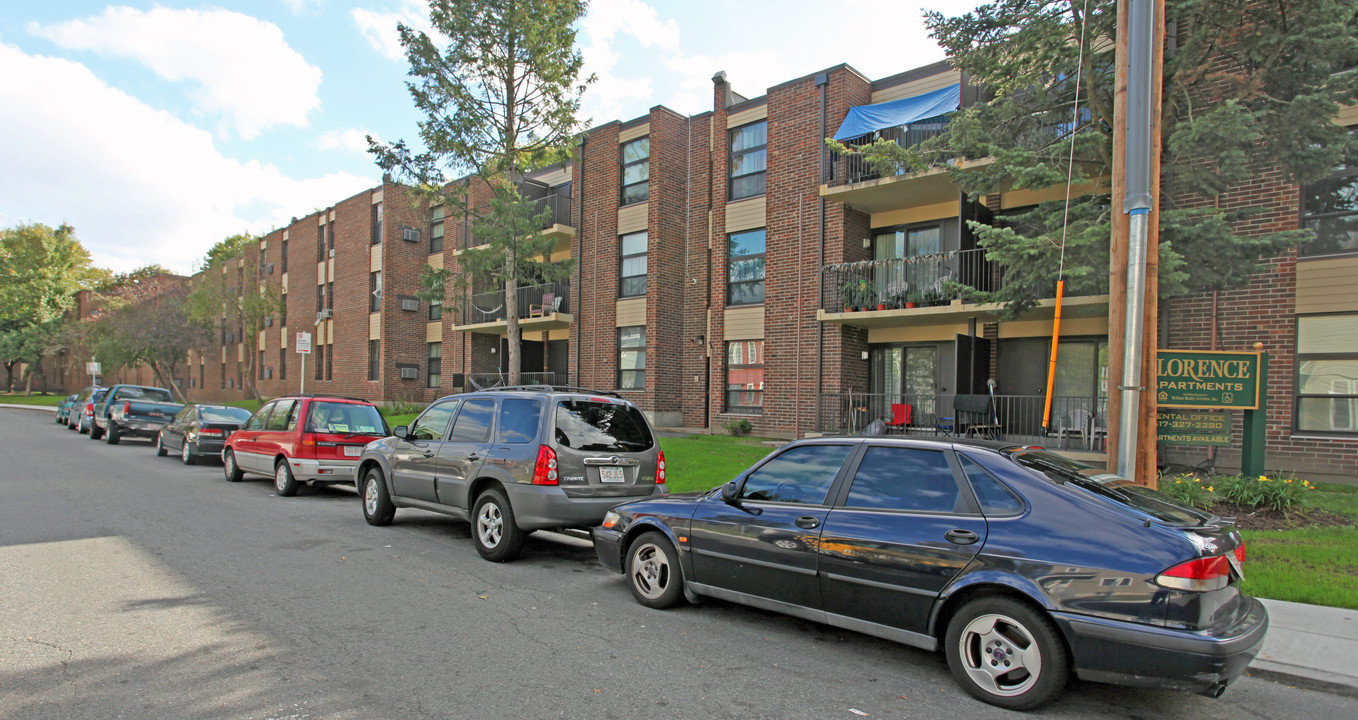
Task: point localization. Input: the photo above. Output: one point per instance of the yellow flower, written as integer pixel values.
(1209, 488)
(1288, 481)
(1263, 478)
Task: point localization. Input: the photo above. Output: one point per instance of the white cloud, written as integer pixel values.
(379, 27)
(243, 67)
(350, 139)
(300, 6)
(139, 185)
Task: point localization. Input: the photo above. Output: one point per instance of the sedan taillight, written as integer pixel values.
(1201, 575)
(544, 473)
(210, 432)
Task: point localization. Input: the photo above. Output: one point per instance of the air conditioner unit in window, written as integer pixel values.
(332, 252)
(325, 314)
(268, 269)
(410, 304)
(409, 373)
(268, 322)
(268, 373)
(410, 234)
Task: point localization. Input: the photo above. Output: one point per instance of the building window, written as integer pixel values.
(377, 223)
(330, 296)
(1327, 374)
(320, 297)
(632, 358)
(435, 310)
(283, 310)
(435, 372)
(283, 259)
(223, 376)
(260, 369)
(240, 374)
(373, 366)
(749, 152)
(282, 363)
(375, 292)
(329, 362)
(320, 365)
(200, 374)
(436, 229)
(745, 268)
(636, 171)
(320, 243)
(745, 376)
(1329, 208)
(632, 268)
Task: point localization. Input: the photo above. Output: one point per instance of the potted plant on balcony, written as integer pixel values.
(898, 292)
(851, 293)
(880, 293)
(912, 299)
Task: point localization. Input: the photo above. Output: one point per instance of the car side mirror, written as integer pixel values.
(730, 493)
(400, 431)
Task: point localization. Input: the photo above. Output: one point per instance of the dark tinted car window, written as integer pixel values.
(98, 395)
(148, 394)
(799, 475)
(996, 499)
(601, 426)
(1113, 488)
(346, 418)
(897, 478)
(433, 424)
(473, 422)
(224, 414)
(519, 418)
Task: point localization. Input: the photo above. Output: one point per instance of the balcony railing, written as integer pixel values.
(923, 281)
(533, 300)
(560, 206)
(850, 169)
(1076, 421)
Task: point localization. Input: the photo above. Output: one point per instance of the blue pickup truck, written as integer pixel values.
(135, 410)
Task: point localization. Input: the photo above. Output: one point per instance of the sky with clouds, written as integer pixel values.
(158, 128)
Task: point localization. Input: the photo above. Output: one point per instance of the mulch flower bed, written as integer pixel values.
(1249, 518)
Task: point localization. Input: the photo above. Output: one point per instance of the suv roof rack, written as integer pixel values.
(550, 388)
(322, 395)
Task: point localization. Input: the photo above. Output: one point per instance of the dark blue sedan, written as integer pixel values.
(1021, 565)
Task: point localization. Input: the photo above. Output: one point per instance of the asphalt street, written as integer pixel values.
(133, 586)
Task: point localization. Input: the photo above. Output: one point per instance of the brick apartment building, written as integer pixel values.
(727, 266)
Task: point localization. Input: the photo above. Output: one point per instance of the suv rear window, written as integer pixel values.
(331, 417)
(149, 394)
(601, 426)
(1114, 488)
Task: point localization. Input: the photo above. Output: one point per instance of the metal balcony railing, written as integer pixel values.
(560, 206)
(850, 169)
(1076, 421)
(532, 301)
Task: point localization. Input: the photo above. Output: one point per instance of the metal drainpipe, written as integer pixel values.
(823, 80)
(579, 185)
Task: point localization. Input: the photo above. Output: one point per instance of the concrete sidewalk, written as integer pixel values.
(1310, 646)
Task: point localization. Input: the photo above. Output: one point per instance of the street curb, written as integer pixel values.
(1304, 682)
(44, 408)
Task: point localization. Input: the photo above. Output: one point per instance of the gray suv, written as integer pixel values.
(513, 460)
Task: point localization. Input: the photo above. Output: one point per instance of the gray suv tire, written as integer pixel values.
(496, 536)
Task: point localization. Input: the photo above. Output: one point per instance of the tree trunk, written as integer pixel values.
(512, 316)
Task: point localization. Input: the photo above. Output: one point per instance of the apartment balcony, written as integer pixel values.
(557, 225)
(541, 308)
(925, 290)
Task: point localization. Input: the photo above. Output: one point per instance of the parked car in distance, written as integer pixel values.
(1021, 565)
(81, 417)
(200, 430)
(512, 460)
(64, 408)
(313, 439)
(137, 410)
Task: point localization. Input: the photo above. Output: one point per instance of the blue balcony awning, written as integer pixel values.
(864, 119)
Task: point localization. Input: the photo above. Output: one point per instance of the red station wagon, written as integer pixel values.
(303, 439)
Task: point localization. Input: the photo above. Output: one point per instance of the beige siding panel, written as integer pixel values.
(329, 332)
(916, 333)
(283, 337)
(917, 87)
(435, 261)
(319, 335)
(375, 258)
(746, 214)
(285, 234)
(1348, 115)
(260, 343)
(433, 332)
(283, 283)
(554, 177)
(1327, 285)
(1070, 327)
(631, 312)
(320, 219)
(633, 218)
(320, 273)
(377, 196)
(632, 133)
(745, 117)
(332, 216)
(1023, 198)
(263, 244)
(223, 354)
(746, 323)
(922, 213)
(559, 335)
(375, 326)
(240, 353)
(330, 274)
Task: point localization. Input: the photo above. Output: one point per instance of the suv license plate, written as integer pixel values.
(352, 450)
(611, 475)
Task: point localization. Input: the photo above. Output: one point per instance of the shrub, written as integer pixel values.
(738, 427)
(1187, 489)
(1263, 492)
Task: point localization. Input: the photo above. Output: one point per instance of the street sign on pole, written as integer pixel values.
(304, 342)
(93, 368)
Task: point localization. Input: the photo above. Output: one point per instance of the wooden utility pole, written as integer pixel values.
(1117, 245)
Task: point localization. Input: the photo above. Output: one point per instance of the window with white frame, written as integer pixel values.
(632, 358)
(1327, 374)
(632, 248)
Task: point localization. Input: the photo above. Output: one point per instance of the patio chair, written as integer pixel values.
(1075, 421)
(550, 304)
(901, 415)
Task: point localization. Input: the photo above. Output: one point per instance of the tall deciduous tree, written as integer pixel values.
(499, 90)
(153, 328)
(1248, 86)
(229, 294)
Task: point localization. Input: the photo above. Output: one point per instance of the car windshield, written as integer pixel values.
(601, 426)
(224, 414)
(346, 418)
(1114, 488)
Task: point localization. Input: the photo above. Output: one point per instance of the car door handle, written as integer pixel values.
(807, 522)
(961, 537)
(473, 455)
(429, 453)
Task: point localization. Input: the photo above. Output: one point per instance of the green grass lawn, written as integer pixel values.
(21, 399)
(1316, 565)
(702, 462)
